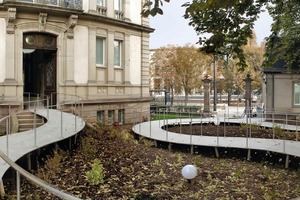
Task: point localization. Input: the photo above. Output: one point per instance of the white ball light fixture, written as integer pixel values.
(189, 172)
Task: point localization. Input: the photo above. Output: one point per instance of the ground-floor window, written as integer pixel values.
(110, 117)
(100, 117)
(121, 116)
(297, 94)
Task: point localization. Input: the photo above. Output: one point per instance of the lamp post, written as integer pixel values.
(248, 91)
(206, 109)
(215, 85)
(221, 78)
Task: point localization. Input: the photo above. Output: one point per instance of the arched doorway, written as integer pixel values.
(39, 65)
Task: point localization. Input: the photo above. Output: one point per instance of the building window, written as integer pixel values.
(110, 117)
(100, 51)
(121, 116)
(100, 117)
(101, 3)
(118, 5)
(117, 53)
(119, 9)
(297, 94)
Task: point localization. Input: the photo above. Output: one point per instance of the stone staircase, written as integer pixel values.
(25, 121)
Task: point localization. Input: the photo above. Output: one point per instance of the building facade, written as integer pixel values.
(281, 89)
(97, 50)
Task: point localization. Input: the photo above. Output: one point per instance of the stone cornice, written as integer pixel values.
(60, 11)
(115, 22)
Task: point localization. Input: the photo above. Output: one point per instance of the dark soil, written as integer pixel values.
(233, 130)
(137, 170)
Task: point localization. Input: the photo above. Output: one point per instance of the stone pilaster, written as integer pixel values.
(110, 57)
(92, 56)
(127, 60)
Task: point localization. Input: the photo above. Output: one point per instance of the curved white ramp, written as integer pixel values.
(59, 126)
(153, 130)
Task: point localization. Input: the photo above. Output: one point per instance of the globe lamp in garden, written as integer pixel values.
(189, 172)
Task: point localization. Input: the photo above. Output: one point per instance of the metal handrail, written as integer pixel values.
(46, 186)
(50, 188)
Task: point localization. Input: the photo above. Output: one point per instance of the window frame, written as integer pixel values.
(103, 52)
(110, 117)
(120, 50)
(101, 116)
(118, 5)
(296, 85)
(101, 3)
(121, 116)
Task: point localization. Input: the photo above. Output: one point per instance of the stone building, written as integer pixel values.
(96, 50)
(281, 89)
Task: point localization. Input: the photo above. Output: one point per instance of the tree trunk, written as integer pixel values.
(229, 99)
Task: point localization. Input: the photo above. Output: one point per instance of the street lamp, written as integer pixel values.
(221, 78)
(215, 84)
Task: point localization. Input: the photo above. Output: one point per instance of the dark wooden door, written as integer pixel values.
(50, 79)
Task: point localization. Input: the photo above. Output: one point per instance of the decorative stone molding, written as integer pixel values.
(42, 21)
(101, 10)
(102, 90)
(120, 90)
(72, 22)
(10, 20)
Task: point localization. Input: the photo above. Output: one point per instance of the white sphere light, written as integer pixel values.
(217, 122)
(189, 172)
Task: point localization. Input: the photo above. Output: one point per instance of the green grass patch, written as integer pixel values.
(171, 116)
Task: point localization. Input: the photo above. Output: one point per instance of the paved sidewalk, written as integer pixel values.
(19, 144)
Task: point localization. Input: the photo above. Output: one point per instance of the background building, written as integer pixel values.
(282, 89)
(97, 50)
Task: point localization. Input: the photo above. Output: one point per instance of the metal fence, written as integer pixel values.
(282, 125)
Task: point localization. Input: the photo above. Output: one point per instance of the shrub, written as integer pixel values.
(88, 146)
(255, 127)
(52, 166)
(95, 175)
(277, 131)
(147, 142)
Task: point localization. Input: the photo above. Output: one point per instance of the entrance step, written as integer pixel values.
(27, 122)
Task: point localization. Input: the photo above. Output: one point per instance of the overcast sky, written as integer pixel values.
(172, 28)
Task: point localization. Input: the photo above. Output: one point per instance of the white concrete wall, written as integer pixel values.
(135, 11)
(2, 48)
(135, 60)
(81, 49)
